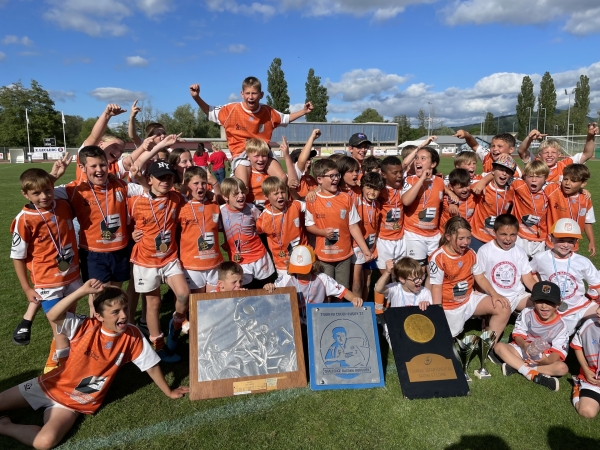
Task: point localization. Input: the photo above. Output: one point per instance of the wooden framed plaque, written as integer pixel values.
(244, 342)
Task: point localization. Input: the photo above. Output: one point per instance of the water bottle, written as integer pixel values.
(537, 349)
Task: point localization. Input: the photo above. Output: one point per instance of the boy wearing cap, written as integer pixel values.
(497, 198)
(569, 270)
(543, 324)
(155, 256)
(358, 144)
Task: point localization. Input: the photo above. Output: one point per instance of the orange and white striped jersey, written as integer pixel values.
(199, 241)
(370, 220)
(575, 207)
(100, 210)
(284, 230)
(423, 215)
(392, 217)
(586, 339)
(240, 233)
(255, 194)
(466, 209)
(530, 211)
(489, 205)
(555, 332)
(241, 124)
(95, 357)
(456, 275)
(35, 238)
(337, 212)
(157, 218)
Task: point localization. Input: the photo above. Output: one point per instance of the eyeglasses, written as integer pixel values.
(333, 176)
(416, 279)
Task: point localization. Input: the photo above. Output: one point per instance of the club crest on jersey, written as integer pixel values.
(119, 196)
(161, 206)
(583, 212)
(342, 213)
(108, 345)
(546, 289)
(328, 204)
(460, 264)
(215, 218)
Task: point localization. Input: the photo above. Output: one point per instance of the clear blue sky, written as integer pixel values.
(463, 56)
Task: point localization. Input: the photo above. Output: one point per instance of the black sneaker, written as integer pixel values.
(143, 327)
(507, 370)
(494, 358)
(550, 382)
(22, 334)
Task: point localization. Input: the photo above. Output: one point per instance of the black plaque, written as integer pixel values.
(424, 353)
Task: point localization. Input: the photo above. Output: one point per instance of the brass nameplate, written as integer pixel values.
(430, 367)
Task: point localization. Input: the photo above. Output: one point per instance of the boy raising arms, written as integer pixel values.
(248, 119)
(100, 345)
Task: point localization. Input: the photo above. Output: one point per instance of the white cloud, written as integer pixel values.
(136, 61)
(154, 7)
(118, 95)
(234, 7)
(237, 48)
(12, 39)
(360, 83)
(582, 16)
(378, 9)
(233, 97)
(61, 96)
(2, 56)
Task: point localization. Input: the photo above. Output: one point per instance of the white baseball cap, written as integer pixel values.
(566, 228)
(301, 260)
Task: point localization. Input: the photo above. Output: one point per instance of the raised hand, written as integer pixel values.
(134, 109)
(195, 90)
(113, 110)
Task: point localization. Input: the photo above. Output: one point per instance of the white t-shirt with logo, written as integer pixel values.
(398, 297)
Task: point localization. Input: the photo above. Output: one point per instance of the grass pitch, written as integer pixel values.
(502, 413)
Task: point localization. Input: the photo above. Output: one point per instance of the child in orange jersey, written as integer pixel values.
(243, 244)
(245, 120)
(569, 202)
(531, 204)
(282, 221)
(467, 160)
(497, 198)
(422, 196)
(453, 269)
(409, 152)
(333, 219)
(459, 182)
(99, 347)
(257, 152)
(154, 257)
(302, 162)
(349, 169)
(44, 244)
(550, 150)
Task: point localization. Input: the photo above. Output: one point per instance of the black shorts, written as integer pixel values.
(105, 266)
(590, 394)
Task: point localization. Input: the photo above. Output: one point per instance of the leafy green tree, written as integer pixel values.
(73, 126)
(368, 115)
(404, 128)
(490, 125)
(86, 129)
(547, 99)
(277, 87)
(444, 131)
(184, 121)
(206, 128)
(317, 94)
(581, 105)
(525, 100)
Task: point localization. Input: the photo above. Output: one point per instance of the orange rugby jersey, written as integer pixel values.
(530, 211)
(556, 172)
(255, 194)
(455, 274)
(284, 230)
(157, 217)
(116, 167)
(306, 180)
(199, 242)
(575, 207)
(488, 206)
(466, 208)
(240, 233)
(423, 215)
(392, 217)
(100, 209)
(370, 219)
(241, 124)
(95, 357)
(337, 212)
(34, 241)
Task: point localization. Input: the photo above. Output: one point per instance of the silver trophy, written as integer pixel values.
(486, 342)
(466, 347)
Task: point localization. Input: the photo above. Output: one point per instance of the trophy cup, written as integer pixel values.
(466, 347)
(486, 342)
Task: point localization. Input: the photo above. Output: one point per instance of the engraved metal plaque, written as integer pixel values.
(343, 347)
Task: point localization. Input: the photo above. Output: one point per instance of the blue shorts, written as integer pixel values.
(371, 265)
(105, 266)
(48, 304)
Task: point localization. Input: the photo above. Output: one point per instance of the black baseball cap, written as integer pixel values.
(296, 154)
(357, 139)
(160, 168)
(547, 291)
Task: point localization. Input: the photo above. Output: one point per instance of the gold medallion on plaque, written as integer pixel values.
(419, 328)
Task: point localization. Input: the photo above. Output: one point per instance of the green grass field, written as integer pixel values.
(502, 413)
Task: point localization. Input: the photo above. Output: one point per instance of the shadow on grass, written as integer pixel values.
(479, 441)
(561, 438)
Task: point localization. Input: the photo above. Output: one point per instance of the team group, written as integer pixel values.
(480, 245)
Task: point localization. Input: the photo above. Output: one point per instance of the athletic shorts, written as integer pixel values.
(457, 317)
(339, 271)
(105, 266)
(516, 299)
(51, 296)
(358, 257)
(197, 279)
(148, 279)
(33, 393)
(386, 249)
(260, 269)
(531, 247)
(573, 320)
(420, 247)
(588, 390)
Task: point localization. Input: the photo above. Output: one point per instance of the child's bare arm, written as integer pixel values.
(356, 233)
(59, 311)
(436, 294)
(308, 107)
(21, 270)
(589, 375)
(590, 142)
(413, 192)
(101, 124)
(131, 131)
(470, 140)
(60, 166)
(380, 286)
(589, 232)
(159, 379)
(479, 187)
(195, 93)
(292, 177)
(305, 153)
(146, 155)
(356, 301)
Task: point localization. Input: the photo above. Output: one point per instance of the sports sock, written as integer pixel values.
(527, 372)
(379, 301)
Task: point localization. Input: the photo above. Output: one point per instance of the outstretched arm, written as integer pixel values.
(147, 155)
(101, 124)
(195, 93)
(305, 153)
(590, 142)
(470, 140)
(59, 311)
(534, 135)
(159, 379)
(308, 107)
(131, 131)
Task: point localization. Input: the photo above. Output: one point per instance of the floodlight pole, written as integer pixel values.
(568, 119)
(64, 135)
(28, 142)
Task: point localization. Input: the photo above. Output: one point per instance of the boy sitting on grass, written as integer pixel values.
(99, 347)
(586, 391)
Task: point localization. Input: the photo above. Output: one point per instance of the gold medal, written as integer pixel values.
(422, 214)
(63, 265)
(163, 247)
(282, 254)
(237, 258)
(396, 226)
(106, 235)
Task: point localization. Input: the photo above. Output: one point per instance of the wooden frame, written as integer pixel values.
(247, 384)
